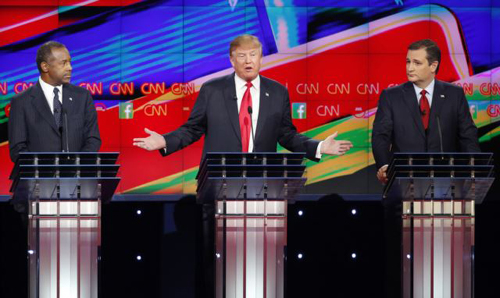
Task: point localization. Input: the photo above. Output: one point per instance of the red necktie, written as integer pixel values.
(245, 127)
(425, 109)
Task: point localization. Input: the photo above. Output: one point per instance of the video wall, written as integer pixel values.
(145, 61)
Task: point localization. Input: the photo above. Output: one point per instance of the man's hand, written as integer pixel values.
(331, 146)
(155, 141)
(382, 174)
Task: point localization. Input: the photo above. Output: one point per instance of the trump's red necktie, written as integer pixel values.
(245, 127)
(425, 109)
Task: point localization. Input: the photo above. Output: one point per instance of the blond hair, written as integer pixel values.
(242, 40)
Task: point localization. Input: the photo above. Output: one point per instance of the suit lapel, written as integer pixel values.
(264, 107)
(232, 105)
(41, 106)
(438, 99)
(411, 102)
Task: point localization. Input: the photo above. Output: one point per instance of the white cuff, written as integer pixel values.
(318, 151)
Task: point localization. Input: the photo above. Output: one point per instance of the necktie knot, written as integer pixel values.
(56, 91)
(423, 92)
(249, 84)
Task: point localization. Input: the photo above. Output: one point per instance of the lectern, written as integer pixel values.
(250, 192)
(438, 192)
(63, 193)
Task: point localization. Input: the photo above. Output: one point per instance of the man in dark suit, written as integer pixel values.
(39, 115)
(413, 117)
(222, 114)
(421, 115)
(223, 111)
(36, 124)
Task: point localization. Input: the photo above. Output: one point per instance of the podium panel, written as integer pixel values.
(438, 193)
(438, 249)
(63, 193)
(250, 248)
(250, 193)
(63, 243)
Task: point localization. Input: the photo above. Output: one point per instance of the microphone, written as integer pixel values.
(65, 115)
(251, 125)
(440, 134)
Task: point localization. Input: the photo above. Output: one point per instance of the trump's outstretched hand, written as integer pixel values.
(155, 141)
(331, 146)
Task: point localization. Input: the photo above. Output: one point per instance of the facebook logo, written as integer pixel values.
(299, 110)
(473, 111)
(126, 110)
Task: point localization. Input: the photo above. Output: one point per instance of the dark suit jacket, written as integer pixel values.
(398, 126)
(215, 114)
(32, 126)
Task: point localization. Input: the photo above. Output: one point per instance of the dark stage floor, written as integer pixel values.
(167, 236)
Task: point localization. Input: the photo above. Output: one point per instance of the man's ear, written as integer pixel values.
(434, 66)
(44, 66)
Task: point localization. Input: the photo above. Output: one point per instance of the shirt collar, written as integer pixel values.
(240, 83)
(429, 88)
(47, 88)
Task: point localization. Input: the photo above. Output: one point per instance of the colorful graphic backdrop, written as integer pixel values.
(144, 63)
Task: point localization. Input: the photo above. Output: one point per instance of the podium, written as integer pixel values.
(250, 192)
(438, 193)
(62, 193)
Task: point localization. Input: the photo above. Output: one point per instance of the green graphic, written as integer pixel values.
(299, 110)
(126, 110)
